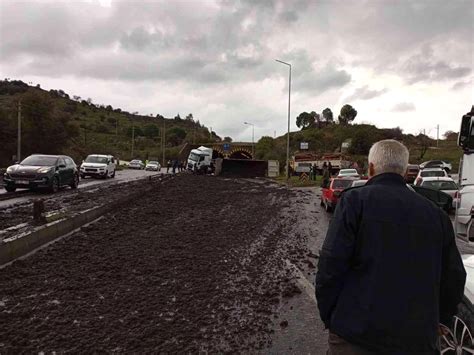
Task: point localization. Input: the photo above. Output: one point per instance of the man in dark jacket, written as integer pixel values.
(389, 270)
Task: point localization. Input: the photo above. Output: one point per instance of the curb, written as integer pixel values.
(15, 247)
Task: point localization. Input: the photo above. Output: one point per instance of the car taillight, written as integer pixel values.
(418, 181)
(456, 194)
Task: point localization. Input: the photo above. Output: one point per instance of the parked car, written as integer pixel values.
(153, 165)
(439, 198)
(42, 171)
(437, 164)
(98, 165)
(330, 194)
(136, 164)
(430, 172)
(348, 173)
(444, 184)
(357, 183)
(412, 173)
(459, 339)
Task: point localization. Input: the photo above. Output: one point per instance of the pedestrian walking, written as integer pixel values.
(326, 177)
(389, 271)
(175, 165)
(168, 166)
(330, 168)
(315, 171)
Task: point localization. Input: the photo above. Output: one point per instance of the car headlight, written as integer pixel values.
(44, 170)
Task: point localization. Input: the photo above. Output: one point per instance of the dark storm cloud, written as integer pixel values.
(364, 93)
(424, 67)
(462, 84)
(199, 42)
(403, 107)
(288, 16)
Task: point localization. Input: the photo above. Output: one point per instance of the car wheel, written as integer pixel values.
(458, 339)
(54, 185)
(106, 175)
(10, 188)
(75, 182)
(321, 203)
(327, 207)
(113, 174)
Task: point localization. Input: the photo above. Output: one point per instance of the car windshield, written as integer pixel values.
(39, 160)
(194, 157)
(348, 172)
(440, 185)
(96, 159)
(341, 184)
(434, 173)
(152, 162)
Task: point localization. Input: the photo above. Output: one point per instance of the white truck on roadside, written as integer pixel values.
(464, 225)
(200, 160)
(98, 165)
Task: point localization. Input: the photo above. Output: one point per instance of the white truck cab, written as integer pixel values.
(98, 165)
(464, 225)
(200, 159)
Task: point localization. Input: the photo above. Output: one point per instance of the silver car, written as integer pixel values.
(136, 164)
(153, 165)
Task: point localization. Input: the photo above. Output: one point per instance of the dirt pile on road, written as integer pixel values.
(196, 265)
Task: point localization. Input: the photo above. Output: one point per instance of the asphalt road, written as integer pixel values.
(120, 177)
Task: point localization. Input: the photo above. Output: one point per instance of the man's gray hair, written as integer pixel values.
(389, 156)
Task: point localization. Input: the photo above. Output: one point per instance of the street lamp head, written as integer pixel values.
(282, 62)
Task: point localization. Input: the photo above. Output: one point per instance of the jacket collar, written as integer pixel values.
(387, 179)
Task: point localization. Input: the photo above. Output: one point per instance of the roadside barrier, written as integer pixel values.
(20, 245)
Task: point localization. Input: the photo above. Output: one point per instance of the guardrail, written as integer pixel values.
(14, 247)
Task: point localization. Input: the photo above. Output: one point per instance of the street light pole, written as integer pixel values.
(18, 148)
(253, 144)
(288, 140)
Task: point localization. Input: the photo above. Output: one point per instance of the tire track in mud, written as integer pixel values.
(197, 265)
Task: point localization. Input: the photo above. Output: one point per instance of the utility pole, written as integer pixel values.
(437, 136)
(133, 138)
(163, 141)
(18, 148)
(289, 108)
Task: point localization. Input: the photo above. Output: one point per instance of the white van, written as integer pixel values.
(98, 165)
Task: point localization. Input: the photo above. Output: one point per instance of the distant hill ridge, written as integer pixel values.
(54, 122)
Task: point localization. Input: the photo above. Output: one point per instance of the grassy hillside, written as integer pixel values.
(330, 138)
(55, 123)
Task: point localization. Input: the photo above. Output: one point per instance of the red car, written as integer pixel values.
(330, 194)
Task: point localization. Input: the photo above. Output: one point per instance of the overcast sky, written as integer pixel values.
(399, 63)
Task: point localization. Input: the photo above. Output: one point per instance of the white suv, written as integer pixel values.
(430, 172)
(98, 165)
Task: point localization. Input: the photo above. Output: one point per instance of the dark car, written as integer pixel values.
(440, 198)
(412, 173)
(42, 171)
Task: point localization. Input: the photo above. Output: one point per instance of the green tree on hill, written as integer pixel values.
(151, 131)
(347, 115)
(328, 115)
(175, 135)
(305, 120)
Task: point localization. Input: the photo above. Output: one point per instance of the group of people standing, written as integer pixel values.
(175, 165)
